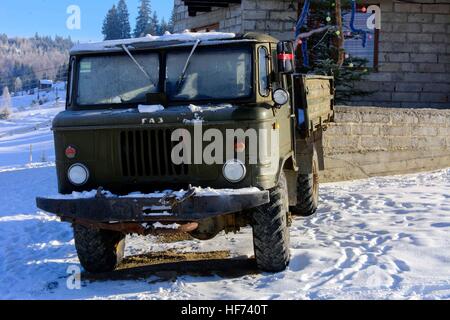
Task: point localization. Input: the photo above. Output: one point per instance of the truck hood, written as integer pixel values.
(188, 114)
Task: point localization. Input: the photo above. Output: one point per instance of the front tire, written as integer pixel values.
(271, 231)
(98, 250)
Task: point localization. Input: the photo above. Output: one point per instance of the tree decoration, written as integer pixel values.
(352, 25)
(301, 22)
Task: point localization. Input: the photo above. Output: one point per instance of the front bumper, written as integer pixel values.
(191, 207)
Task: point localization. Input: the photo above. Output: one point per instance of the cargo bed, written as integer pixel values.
(313, 101)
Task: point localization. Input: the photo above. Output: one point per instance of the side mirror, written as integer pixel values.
(286, 57)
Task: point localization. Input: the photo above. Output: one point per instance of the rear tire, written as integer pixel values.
(271, 231)
(98, 250)
(308, 191)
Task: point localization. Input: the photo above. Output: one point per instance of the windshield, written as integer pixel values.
(212, 74)
(116, 79)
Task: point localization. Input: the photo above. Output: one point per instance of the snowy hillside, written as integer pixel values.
(29, 127)
(381, 238)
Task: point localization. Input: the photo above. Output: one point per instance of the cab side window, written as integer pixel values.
(263, 71)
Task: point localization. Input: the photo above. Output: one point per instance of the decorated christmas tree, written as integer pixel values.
(320, 35)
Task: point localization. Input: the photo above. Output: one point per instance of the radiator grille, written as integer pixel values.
(147, 153)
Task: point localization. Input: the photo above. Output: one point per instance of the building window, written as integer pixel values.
(358, 45)
(263, 71)
(209, 28)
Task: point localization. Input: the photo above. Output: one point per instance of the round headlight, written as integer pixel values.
(234, 171)
(281, 97)
(78, 174)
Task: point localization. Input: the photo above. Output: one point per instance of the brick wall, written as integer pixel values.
(414, 56)
(370, 141)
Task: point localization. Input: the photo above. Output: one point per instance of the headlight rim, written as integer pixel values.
(285, 94)
(85, 168)
(236, 161)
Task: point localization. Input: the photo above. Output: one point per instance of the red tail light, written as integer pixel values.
(285, 56)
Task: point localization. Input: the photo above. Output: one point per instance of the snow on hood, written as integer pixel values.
(181, 37)
(150, 108)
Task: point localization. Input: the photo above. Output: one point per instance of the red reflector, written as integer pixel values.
(285, 56)
(71, 152)
(239, 147)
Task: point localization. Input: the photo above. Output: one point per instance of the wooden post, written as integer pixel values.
(31, 153)
(340, 36)
(298, 51)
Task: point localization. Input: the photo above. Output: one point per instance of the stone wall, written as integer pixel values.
(275, 17)
(229, 19)
(367, 141)
(414, 59)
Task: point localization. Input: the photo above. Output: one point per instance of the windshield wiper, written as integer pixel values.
(138, 64)
(186, 66)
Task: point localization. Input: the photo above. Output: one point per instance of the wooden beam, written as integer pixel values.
(215, 1)
(203, 4)
(340, 39)
(195, 6)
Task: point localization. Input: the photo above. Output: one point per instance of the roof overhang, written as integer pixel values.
(195, 6)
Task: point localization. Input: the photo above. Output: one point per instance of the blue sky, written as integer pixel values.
(48, 17)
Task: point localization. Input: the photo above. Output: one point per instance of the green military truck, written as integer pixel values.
(136, 107)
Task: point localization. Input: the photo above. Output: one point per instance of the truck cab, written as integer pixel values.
(197, 133)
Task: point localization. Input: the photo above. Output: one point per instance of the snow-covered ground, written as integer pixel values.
(381, 238)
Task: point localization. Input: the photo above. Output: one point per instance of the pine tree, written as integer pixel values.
(124, 20)
(5, 106)
(18, 85)
(143, 19)
(171, 24)
(111, 26)
(63, 70)
(153, 26)
(163, 27)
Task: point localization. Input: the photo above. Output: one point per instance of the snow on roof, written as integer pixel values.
(111, 45)
(45, 81)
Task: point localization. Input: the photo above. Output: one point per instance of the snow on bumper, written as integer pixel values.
(193, 205)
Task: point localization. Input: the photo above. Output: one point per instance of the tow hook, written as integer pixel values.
(172, 200)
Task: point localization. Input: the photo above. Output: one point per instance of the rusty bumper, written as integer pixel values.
(191, 207)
